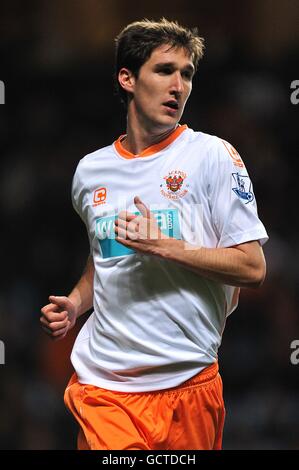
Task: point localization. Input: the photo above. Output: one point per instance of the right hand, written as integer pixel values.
(58, 317)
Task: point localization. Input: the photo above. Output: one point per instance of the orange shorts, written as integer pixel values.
(187, 417)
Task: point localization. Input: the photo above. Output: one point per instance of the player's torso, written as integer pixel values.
(149, 313)
(171, 183)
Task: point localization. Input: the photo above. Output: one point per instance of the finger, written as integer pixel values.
(129, 233)
(44, 322)
(51, 316)
(50, 308)
(124, 215)
(62, 331)
(57, 335)
(133, 245)
(61, 336)
(143, 209)
(128, 243)
(129, 224)
(121, 233)
(121, 223)
(133, 227)
(60, 301)
(126, 234)
(55, 326)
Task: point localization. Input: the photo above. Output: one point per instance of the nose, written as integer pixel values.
(177, 83)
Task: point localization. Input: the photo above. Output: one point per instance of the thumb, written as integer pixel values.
(143, 209)
(59, 301)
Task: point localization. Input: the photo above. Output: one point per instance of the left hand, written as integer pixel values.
(140, 232)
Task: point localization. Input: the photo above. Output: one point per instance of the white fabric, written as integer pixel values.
(156, 324)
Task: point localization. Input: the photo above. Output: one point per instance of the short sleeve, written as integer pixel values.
(232, 201)
(77, 195)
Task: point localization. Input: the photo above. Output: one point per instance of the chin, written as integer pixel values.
(165, 127)
(167, 121)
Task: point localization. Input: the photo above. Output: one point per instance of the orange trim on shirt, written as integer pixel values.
(149, 150)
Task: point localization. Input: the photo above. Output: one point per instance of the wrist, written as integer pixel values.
(170, 248)
(76, 302)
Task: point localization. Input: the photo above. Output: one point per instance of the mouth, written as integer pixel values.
(172, 105)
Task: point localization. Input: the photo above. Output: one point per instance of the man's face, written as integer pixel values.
(163, 86)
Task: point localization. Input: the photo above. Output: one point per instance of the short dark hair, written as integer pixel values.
(136, 42)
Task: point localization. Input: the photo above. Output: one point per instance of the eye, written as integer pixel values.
(187, 74)
(165, 71)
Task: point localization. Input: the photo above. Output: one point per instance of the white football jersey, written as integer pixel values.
(156, 324)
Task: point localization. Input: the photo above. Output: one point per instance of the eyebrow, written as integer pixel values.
(172, 64)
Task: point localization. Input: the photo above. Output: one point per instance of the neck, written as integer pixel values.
(141, 135)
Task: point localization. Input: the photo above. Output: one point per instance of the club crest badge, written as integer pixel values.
(174, 186)
(244, 187)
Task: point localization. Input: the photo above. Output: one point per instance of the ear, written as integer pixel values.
(126, 79)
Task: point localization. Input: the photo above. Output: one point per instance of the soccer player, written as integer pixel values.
(174, 234)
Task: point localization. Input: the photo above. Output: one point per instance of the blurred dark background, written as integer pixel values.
(56, 60)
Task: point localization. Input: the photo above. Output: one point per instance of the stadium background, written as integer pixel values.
(56, 60)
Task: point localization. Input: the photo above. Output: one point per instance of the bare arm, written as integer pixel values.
(241, 265)
(60, 315)
(82, 294)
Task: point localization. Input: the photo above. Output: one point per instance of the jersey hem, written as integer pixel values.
(138, 388)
